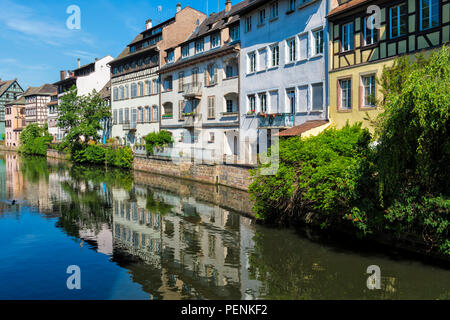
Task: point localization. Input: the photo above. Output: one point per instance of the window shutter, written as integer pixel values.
(216, 71)
(303, 98)
(206, 77)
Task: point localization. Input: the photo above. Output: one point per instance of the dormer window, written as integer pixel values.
(132, 49)
(185, 51)
(170, 56)
(215, 41)
(199, 46)
(262, 17)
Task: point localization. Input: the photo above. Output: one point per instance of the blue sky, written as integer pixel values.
(35, 43)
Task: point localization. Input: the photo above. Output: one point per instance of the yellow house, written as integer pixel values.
(363, 41)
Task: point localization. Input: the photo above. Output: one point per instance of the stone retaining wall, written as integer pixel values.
(234, 176)
(57, 154)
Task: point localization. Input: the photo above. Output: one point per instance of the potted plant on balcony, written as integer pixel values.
(262, 114)
(251, 112)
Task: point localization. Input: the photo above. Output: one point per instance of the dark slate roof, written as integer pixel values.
(105, 93)
(44, 90)
(20, 101)
(251, 5)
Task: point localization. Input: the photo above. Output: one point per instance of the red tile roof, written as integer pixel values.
(298, 130)
(348, 5)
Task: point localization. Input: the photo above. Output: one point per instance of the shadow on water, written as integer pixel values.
(186, 240)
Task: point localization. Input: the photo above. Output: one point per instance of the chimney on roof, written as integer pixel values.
(79, 63)
(227, 5)
(178, 7)
(148, 24)
(62, 74)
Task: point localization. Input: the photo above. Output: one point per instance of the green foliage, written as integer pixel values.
(157, 139)
(320, 179)
(104, 155)
(34, 140)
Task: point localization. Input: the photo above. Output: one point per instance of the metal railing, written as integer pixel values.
(192, 90)
(276, 120)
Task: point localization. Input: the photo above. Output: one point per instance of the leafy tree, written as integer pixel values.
(157, 139)
(35, 139)
(81, 116)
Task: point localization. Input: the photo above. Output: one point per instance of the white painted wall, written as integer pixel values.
(308, 68)
(97, 79)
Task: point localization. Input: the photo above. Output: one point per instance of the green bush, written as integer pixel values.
(157, 139)
(320, 180)
(34, 140)
(104, 155)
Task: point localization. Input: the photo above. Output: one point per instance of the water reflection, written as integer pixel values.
(185, 240)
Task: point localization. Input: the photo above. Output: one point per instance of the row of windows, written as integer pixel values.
(301, 99)
(138, 115)
(139, 89)
(186, 108)
(135, 64)
(296, 49)
(398, 24)
(366, 88)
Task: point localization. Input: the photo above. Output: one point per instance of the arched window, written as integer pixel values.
(148, 85)
(155, 113)
(141, 89)
(168, 110)
(133, 90)
(211, 75)
(122, 93)
(116, 94)
(127, 91)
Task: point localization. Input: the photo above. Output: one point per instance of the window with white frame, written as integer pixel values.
(275, 55)
(248, 24)
(141, 115)
(398, 16)
(262, 16)
(317, 96)
(368, 90)
(429, 14)
(155, 113)
(262, 59)
(251, 62)
(347, 37)
(318, 41)
(133, 90)
(263, 102)
(211, 107)
(185, 51)
(303, 44)
(229, 104)
(171, 56)
(291, 50)
(303, 98)
(345, 87)
(215, 40)
(234, 33)
(274, 10)
(199, 45)
(274, 107)
(370, 31)
(290, 93)
(251, 103)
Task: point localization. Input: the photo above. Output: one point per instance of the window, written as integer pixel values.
(180, 81)
(115, 116)
(251, 103)
(155, 86)
(262, 59)
(318, 41)
(132, 49)
(116, 94)
(229, 105)
(368, 91)
(127, 92)
(291, 5)
(155, 113)
(398, 20)
(199, 46)
(291, 100)
(251, 62)
(215, 41)
(211, 75)
(148, 83)
(273, 101)
(303, 44)
(168, 110)
(248, 24)
(141, 115)
(274, 10)
(291, 50)
(122, 93)
(127, 115)
(195, 77)
(171, 56)
(229, 71)
(263, 102)
(185, 51)
(370, 31)
(345, 94)
(262, 16)
(181, 110)
(275, 53)
(317, 96)
(211, 107)
(141, 89)
(133, 90)
(234, 33)
(347, 37)
(429, 14)
(168, 83)
(120, 116)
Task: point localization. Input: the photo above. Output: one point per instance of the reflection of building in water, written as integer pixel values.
(103, 238)
(196, 246)
(3, 177)
(14, 177)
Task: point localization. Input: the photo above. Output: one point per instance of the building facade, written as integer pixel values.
(135, 80)
(9, 91)
(200, 90)
(14, 122)
(36, 99)
(66, 82)
(359, 52)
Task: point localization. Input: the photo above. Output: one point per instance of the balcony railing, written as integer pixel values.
(192, 90)
(129, 125)
(276, 120)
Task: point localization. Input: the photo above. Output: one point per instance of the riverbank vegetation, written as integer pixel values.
(394, 184)
(81, 117)
(159, 139)
(34, 140)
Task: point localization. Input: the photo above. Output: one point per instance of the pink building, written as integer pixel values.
(14, 122)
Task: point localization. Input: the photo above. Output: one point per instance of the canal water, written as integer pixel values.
(142, 236)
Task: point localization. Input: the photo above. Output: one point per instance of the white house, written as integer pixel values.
(283, 74)
(200, 90)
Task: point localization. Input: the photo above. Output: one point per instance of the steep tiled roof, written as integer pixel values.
(4, 85)
(44, 90)
(345, 6)
(20, 101)
(105, 93)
